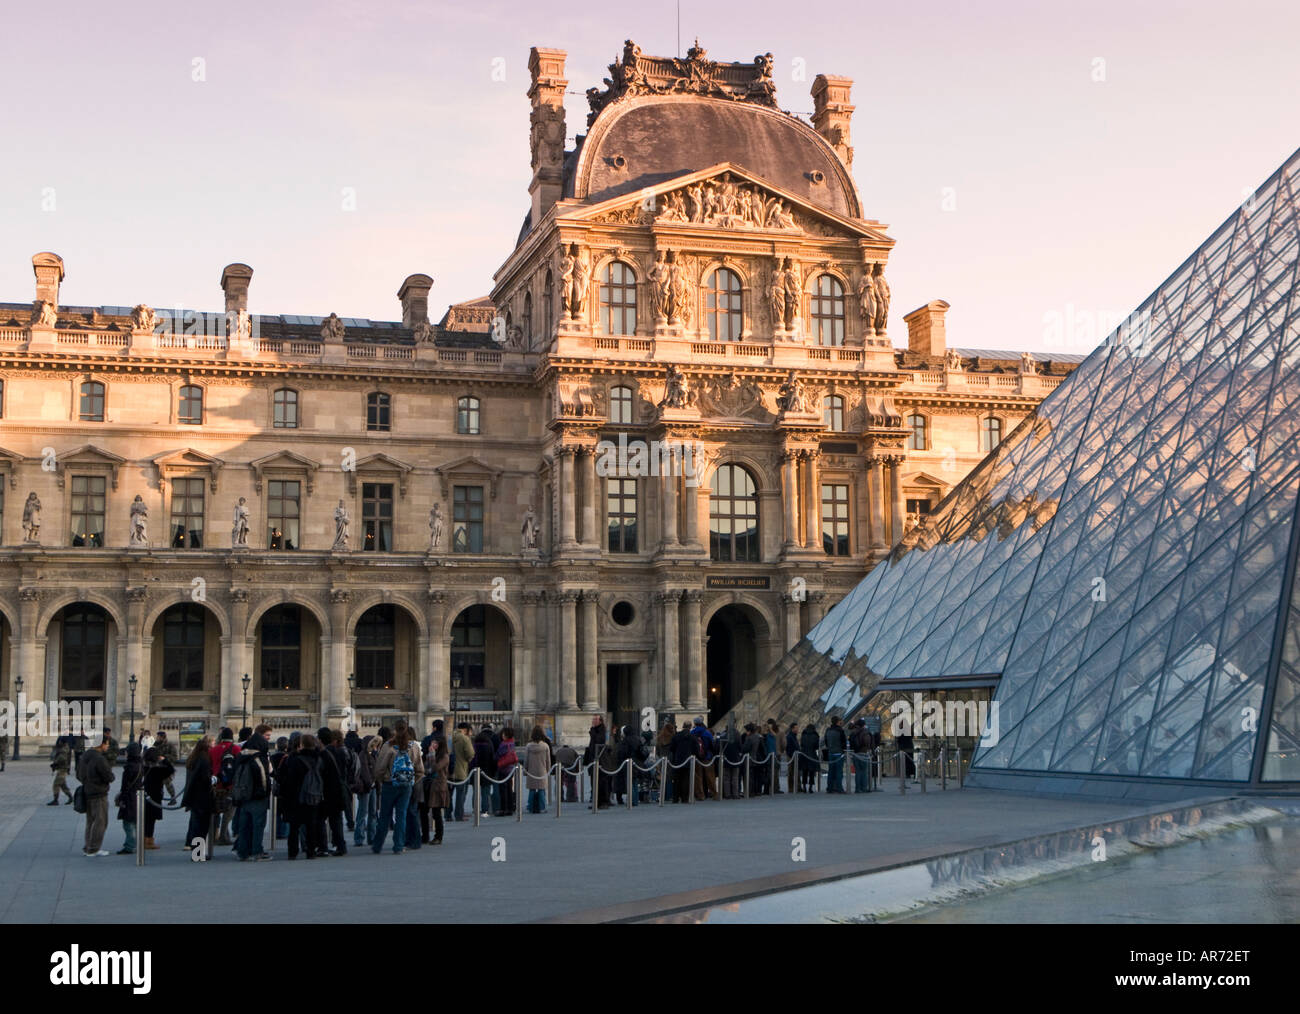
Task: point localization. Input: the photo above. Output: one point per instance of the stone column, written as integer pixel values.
(670, 648)
(790, 497)
(568, 500)
(29, 668)
(135, 598)
(812, 502)
(668, 510)
(532, 653)
(591, 497)
(899, 507)
(816, 608)
(693, 683)
(435, 689)
(517, 670)
(591, 694)
(691, 508)
(568, 651)
(877, 507)
(334, 684)
(792, 634)
(238, 657)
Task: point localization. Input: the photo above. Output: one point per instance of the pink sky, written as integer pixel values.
(1073, 196)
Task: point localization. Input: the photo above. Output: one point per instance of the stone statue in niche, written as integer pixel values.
(44, 314)
(528, 531)
(793, 292)
(881, 288)
(581, 282)
(776, 297)
(139, 523)
(660, 287)
(332, 330)
(32, 518)
(239, 530)
(341, 527)
(792, 397)
(677, 392)
(435, 529)
(143, 318)
(679, 285)
(568, 265)
(867, 300)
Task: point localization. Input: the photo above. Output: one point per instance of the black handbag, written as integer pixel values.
(79, 799)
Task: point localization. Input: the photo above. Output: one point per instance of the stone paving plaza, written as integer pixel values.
(579, 867)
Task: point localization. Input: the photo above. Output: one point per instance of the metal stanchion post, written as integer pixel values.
(920, 766)
(722, 774)
(961, 775)
(519, 793)
(631, 781)
(213, 823)
(139, 825)
(771, 788)
(275, 816)
(690, 782)
(943, 767)
(747, 778)
(594, 778)
(477, 790)
(559, 789)
(662, 764)
(902, 772)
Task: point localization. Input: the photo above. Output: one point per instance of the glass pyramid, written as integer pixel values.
(1125, 561)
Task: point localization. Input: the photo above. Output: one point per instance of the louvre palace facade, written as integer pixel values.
(636, 473)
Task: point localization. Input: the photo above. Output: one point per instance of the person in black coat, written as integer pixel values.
(337, 794)
(596, 747)
(304, 816)
(126, 800)
(792, 752)
(683, 747)
(198, 798)
(809, 765)
(158, 771)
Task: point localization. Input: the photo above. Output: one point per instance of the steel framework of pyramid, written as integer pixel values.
(1125, 562)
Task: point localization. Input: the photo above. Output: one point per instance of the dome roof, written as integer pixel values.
(660, 137)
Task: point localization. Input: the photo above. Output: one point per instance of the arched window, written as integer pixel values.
(620, 404)
(733, 515)
(83, 642)
(376, 648)
(833, 413)
(917, 438)
(828, 310)
(282, 648)
(190, 410)
(990, 433)
(285, 409)
(548, 305)
(528, 318)
(467, 415)
(379, 412)
(183, 628)
(722, 306)
(92, 401)
(618, 299)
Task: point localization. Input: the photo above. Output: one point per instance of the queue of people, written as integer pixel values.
(329, 786)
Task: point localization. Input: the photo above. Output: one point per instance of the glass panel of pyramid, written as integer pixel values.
(1124, 563)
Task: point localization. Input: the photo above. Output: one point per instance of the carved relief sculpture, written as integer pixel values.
(424, 333)
(341, 526)
(239, 530)
(139, 523)
(43, 313)
(725, 204)
(792, 397)
(677, 392)
(143, 318)
(32, 518)
(528, 531)
(435, 528)
(332, 330)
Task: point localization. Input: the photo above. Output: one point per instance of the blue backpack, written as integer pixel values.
(403, 769)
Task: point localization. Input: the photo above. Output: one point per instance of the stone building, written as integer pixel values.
(633, 475)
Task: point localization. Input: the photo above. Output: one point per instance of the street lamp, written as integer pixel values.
(18, 727)
(455, 692)
(245, 681)
(132, 684)
(352, 700)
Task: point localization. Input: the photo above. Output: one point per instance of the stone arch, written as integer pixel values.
(155, 612)
(740, 636)
(288, 598)
(749, 298)
(94, 597)
(379, 598)
(764, 478)
(463, 602)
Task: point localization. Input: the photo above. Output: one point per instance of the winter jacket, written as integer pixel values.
(439, 793)
(835, 741)
(366, 776)
(462, 751)
(706, 743)
(809, 744)
(131, 782)
(683, 747)
(198, 787)
(485, 755)
(383, 769)
(94, 774)
(537, 762)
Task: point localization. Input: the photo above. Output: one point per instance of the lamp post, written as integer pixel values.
(352, 700)
(132, 684)
(245, 681)
(22, 718)
(455, 693)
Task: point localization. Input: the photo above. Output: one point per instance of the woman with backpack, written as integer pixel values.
(537, 769)
(438, 796)
(507, 761)
(397, 765)
(197, 797)
(302, 790)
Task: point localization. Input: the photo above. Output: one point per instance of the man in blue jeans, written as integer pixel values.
(835, 743)
(251, 790)
(397, 768)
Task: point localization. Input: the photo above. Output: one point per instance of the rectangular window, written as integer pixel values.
(282, 514)
(835, 519)
(88, 493)
(379, 412)
(285, 406)
(282, 649)
(183, 648)
(377, 516)
(467, 520)
(187, 513)
(468, 637)
(620, 498)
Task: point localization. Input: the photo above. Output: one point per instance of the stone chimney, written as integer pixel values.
(926, 333)
(832, 113)
(234, 283)
(546, 134)
(414, 295)
(48, 268)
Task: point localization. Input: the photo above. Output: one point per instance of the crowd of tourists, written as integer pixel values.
(334, 790)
